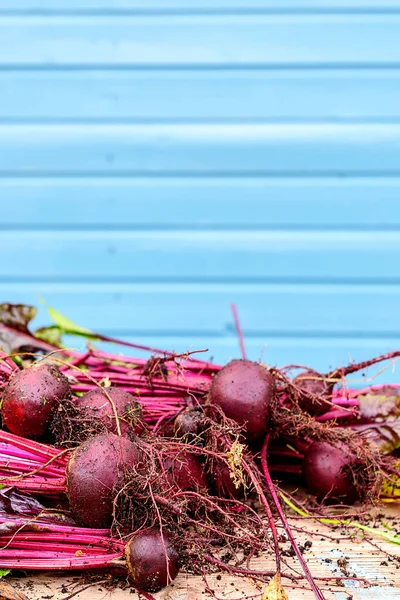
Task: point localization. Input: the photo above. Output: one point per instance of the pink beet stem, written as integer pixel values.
(53, 546)
(345, 402)
(29, 445)
(238, 330)
(56, 563)
(355, 393)
(317, 592)
(335, 414)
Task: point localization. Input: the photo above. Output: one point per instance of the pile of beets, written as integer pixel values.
(143, 467)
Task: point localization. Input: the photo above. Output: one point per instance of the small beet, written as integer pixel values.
(96, 404)
(245, 391)
(223, 483)
(166, 429)
(185, 471)
(94, 472)
(30, 399)
(313, 383)
(93, 414)
(152, 560)
(327, 471)
(187, 423)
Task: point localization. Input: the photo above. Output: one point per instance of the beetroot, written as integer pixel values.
(187, 423)
(245, 391)
(93, 413)
(185, 471)
(315, 384)
(327, 471)
(222, 481)
(96, 405)
(152, 560)
(30, 399)
(94, 472)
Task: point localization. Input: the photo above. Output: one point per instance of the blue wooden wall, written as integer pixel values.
(162, 159)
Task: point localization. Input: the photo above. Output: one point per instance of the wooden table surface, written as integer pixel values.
(377, 563)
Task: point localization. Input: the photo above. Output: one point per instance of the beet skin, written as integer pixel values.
(314, 383)
(94, 472)
(245, 390)
(188, 423)
(327, 471)
(30, 399)
(147, 560)
(223, 483)
(95, 405)
(185, 472)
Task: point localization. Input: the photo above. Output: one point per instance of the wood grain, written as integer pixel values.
(364, 561)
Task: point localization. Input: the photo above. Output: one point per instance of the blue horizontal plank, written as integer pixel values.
(200, 202)
(266, 310)
(200, 95)
(214, 149)
(320, 354)
(201, 255)
(213, 40)
(184, 5)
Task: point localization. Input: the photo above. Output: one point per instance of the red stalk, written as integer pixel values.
(271, 488)
(238, 330)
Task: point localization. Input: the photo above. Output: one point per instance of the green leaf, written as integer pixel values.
(4, 572)
(52, 335)
(66, 324)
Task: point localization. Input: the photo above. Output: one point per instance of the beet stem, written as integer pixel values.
(39, 468)
(146, 595)
(169, 578)
(270, 517)
(238, 330)
(246, 572)
(353, 368)
(271, 488)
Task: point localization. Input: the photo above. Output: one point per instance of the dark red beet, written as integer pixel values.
(187, 423)
(94, 472)
(95, 405)
(166, 429)
(314, 383)
(185, 471)
(223, 483)
(30, 399)
(326, 469)
(146, 559)
(244, 390)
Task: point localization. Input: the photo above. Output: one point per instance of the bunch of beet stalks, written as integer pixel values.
(146, 466)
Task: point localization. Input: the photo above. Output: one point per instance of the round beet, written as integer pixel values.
(93, 413)
(313, 383)
(152, 560)
(244, 390)
(185, 471)
(222, 481)
(187, 423)
(96, 405)
(327, 471)
(30, 399)
(94, 472)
